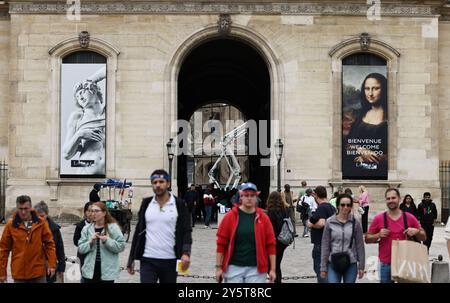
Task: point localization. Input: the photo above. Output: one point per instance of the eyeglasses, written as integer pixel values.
(345, 205)
(96, 210)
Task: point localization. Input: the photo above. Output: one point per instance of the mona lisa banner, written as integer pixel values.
(83, 120)
(364, 122)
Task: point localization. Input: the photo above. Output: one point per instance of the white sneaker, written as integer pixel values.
(206, 226)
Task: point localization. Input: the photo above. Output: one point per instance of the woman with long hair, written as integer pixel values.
(277, 212)
(370, 125)
(101, 242)
(409, 206)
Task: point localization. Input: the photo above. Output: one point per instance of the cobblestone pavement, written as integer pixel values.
(296, 262)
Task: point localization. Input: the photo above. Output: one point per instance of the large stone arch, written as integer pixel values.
(244, 34)
(391, 55)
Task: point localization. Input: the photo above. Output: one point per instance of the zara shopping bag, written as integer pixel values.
(409, 263)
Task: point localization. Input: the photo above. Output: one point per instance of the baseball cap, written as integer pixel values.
(248, 186)
(309, 191)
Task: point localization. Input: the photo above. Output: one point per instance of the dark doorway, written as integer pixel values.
(233, 71)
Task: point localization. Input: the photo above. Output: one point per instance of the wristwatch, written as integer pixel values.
(218, 266)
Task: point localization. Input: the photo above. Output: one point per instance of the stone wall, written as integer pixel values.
(147, 44)
(4, 86)
(444, 90)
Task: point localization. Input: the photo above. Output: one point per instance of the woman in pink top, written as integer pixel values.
(364, 203)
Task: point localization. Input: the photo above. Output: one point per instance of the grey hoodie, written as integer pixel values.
(336, 238)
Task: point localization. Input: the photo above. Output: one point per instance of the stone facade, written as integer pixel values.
(145, 47)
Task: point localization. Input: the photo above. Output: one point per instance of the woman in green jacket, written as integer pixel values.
(101, 242)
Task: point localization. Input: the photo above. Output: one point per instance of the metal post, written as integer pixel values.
(170, 173)
(279, 176)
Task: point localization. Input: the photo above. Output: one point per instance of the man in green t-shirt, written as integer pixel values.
(302, 191)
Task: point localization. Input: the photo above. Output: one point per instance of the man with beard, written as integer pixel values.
(427, 216)
(389, 226)
(163, 234)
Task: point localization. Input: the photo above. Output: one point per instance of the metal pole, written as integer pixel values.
(170, 174)
(279, 176)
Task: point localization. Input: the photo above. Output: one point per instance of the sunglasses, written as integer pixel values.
(345, 205)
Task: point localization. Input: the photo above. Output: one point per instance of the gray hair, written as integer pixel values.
(41, 207)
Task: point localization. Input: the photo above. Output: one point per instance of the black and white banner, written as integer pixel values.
(83, 120)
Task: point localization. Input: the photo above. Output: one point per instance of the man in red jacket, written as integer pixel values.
(246, 242)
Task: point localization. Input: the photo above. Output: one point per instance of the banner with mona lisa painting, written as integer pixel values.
(364, 122)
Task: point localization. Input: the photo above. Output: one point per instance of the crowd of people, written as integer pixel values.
(251, 239)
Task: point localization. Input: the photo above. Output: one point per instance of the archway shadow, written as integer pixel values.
(232, 70)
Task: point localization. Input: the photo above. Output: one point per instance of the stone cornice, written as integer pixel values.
(4, 10)
(289, 8)
(445, 13)
(356, 40)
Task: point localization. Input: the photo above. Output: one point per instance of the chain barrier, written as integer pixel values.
(74, 260)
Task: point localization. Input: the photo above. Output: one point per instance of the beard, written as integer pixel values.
(392, 206)
(159, 191)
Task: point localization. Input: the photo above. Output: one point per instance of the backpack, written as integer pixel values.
(302, 206)
(405, 223)
(286, 235)
(405, 220)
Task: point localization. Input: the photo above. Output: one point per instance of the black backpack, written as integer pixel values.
(405, 224)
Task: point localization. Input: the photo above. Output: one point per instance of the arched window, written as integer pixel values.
(364, 117)
(83, 115)
(84, 57)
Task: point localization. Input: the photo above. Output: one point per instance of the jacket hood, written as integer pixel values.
(17, 220)
(52, 224)
(333, 219)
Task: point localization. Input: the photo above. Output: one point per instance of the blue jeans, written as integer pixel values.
(349, 275)
(208, 209)
(316, 262)
(306, 228)
(243, 274)
(385, 273)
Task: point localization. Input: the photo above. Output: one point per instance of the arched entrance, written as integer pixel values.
(231, 70)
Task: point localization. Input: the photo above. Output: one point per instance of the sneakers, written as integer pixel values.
(206, 227)
(306, 236)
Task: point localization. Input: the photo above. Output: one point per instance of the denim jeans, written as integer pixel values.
(316, 262)
(349, 275)
(306, 228)
(243, 274)
(385, 273)
(208, 209)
